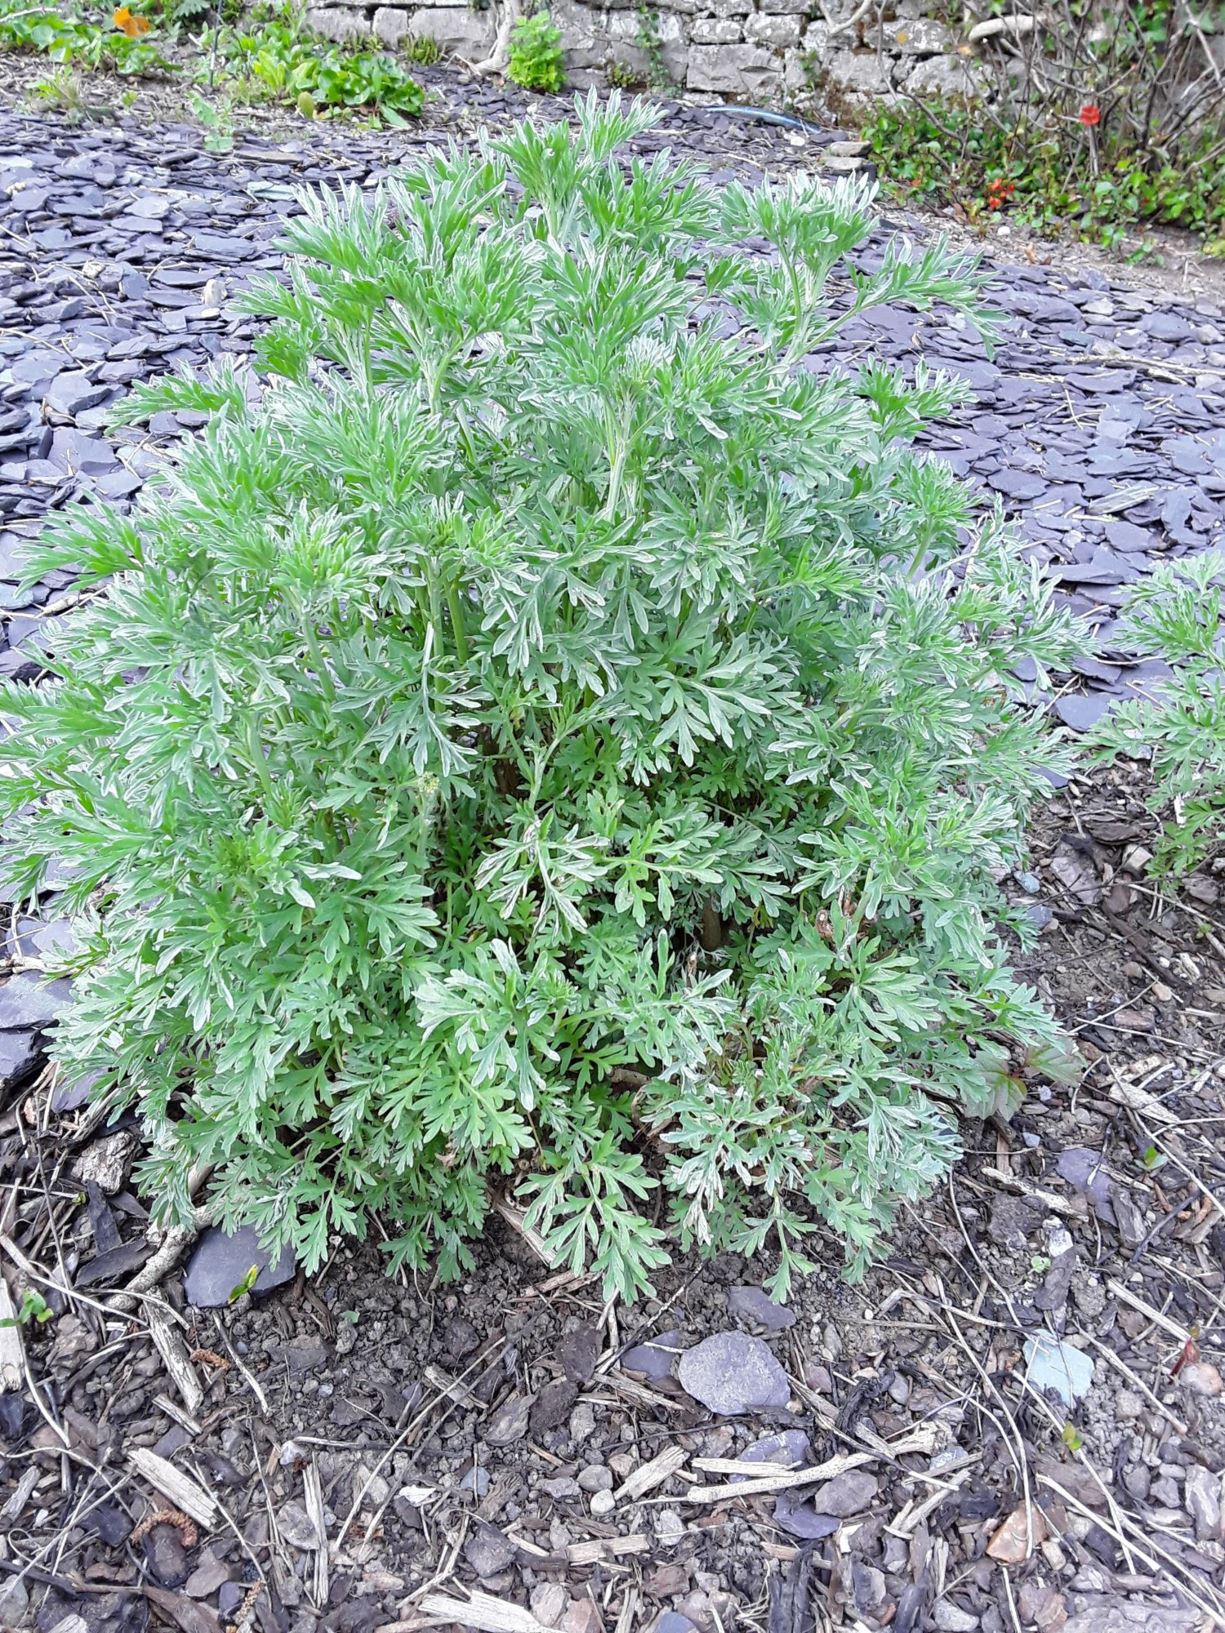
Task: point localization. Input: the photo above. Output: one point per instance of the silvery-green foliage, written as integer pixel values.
(552, 742)
(1178, 613)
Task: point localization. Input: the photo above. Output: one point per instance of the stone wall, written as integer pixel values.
(763, 51)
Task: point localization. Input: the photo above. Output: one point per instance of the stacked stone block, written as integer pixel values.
(746, 50)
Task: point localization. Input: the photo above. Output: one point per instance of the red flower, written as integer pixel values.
(1090, 114)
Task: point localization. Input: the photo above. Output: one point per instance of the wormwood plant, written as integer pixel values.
(1177, 613)
(550, 741)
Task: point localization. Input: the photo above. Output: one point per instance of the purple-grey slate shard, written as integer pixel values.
(71, 1096)
(20, 1056)
(1166, 326)
(733, 1373)
(1085, 1172)
(673, 1622)
(755, 1306)
(28, 1001)
(1112, 429)
(656, 1358)
(1186, 455)
(790, 1449)
(1126, 536)
(1059, 1366)
(1147, 678)
(847, 1493)
(221, 1262)
(72, 392)
(799, 1518)
(1081, 711)
(1095, 669)
(1103, 567)
(1018, 484)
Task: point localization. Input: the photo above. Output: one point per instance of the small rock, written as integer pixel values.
(549, 1602)
(1041, 1606)
(166, 1556)
(1077, 876)
(950, 1618)
(579, 1352)
(565, 1485)
(708, 1612)
(207, 1577)
(602, 1502)
(30, 1001)
(847, 1493)
(582, 1616)
(595, 1478)
(669, 1527)
(72, 393)
(296, 1526)
(753, 1304)
(303, 1355)
(1201, 1377)
(488, 1551)
(552, 1406)
(1204, 1503)
(14, 1602)
(673, 1622)
(475, 1483)
(509, 1422)
(582, 1423)
(790, 1449)
(870, 1592)
(1085, 1171)
(1011, 1223)
(459, 1338)
(21, 1054)
(733, 1373)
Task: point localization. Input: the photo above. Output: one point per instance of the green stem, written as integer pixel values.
(455, 605)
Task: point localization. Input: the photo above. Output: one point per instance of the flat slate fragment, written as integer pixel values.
(221, 1261)
(755, 1306)
(733, 1373)
(1058, 1366)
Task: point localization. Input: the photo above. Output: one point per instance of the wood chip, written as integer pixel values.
(1050, 1200)
(12, 1352)
(482, 1611)
(597, 1549)
(1138, 1099)
(173, 1351)
(650, 1475)
(454, 1389)
(1116, 1287)
(313, 1490)
(183, 1492)
(20, 1495)
(778, 1482)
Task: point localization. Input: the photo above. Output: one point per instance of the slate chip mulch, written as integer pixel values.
(1017, 1421)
